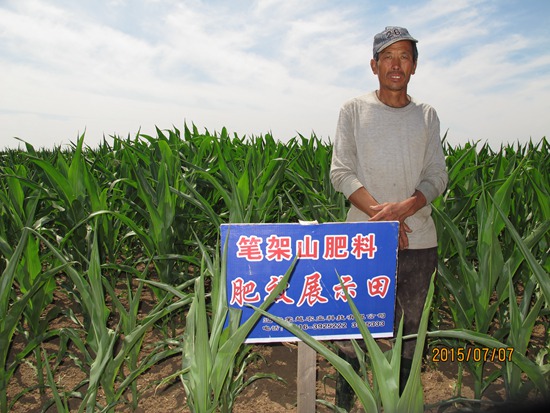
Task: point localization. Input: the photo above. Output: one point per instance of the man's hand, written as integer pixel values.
(389, 211)
(399, 211)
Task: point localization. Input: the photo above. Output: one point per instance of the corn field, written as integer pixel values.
(87, 236)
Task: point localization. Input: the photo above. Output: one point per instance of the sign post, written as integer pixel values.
(306, 382)
(363, 255)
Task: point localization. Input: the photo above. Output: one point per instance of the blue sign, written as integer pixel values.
(363, 254)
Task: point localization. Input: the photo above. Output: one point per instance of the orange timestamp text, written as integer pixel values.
(468, 353)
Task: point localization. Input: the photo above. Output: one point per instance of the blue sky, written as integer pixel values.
(116, 67)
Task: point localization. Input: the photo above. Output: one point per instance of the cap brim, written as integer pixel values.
(395, 41)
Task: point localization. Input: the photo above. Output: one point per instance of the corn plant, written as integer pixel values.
(65, 185)
(523, 316)
(312, 195)
(13, 305)
(384, 395)
(23, 204)
(213, 352)
(36, 315)
(160, 204)
(98, 346)
(478, 286)
(246, 178)
(100, 214)
(535, 372)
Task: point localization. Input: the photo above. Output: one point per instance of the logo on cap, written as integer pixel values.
(391, 33)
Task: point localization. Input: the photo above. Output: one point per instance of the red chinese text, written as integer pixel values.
(272, 284)
(363, 244)
(308, 248)
(278, 248)
(311, 291)
(378, 286)
(249, 248)
(350, 287)
(243, 292)
(336, 247)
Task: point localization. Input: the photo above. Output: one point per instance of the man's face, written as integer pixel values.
(395, 66)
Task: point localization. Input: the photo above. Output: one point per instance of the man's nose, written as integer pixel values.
(396, 63)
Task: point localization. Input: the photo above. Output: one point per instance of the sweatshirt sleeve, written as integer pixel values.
(343, 170)
(434, 175)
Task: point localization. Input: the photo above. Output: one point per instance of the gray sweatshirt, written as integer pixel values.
(391, 152)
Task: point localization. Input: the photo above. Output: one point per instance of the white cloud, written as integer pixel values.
(252, 67)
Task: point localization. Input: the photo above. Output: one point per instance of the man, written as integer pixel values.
(388, 161)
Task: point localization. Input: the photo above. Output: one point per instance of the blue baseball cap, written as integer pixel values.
(390, 35)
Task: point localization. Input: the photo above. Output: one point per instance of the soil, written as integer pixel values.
(265, 395)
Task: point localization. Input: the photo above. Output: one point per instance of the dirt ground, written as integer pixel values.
(264, 395)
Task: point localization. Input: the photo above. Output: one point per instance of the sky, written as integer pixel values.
(107, 68)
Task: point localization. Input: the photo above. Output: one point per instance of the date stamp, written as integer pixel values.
(469, 353)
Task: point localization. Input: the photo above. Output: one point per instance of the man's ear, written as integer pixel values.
(374, 66)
